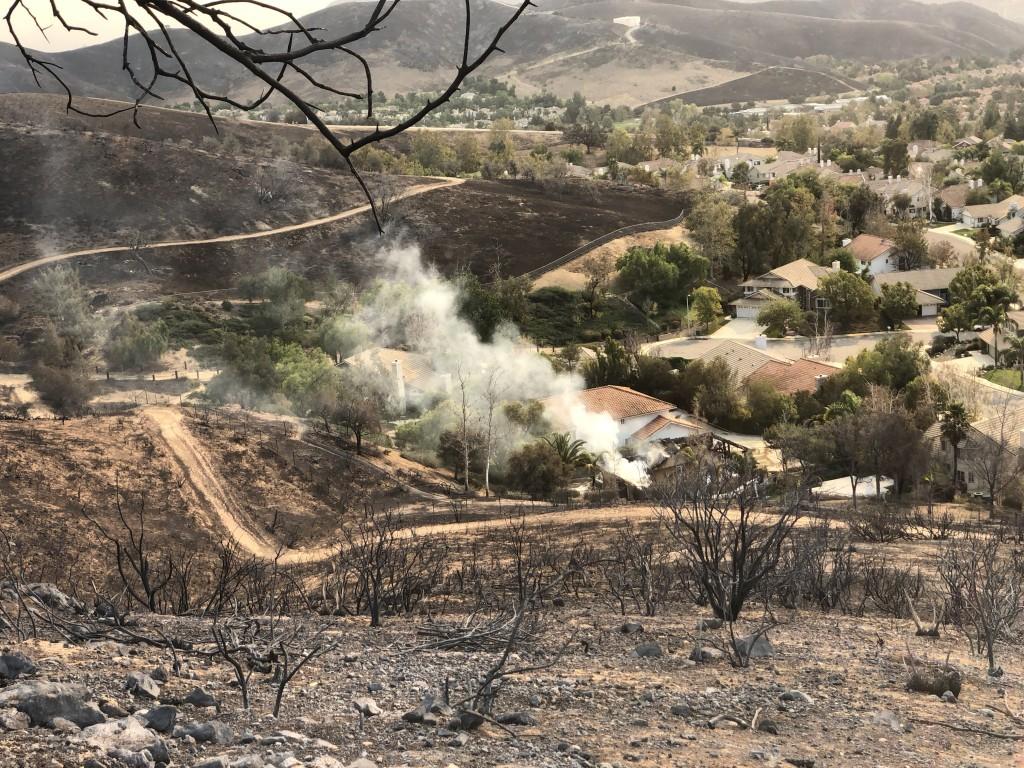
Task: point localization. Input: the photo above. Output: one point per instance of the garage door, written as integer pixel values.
(747, 312)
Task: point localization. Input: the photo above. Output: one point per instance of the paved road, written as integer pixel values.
(12, 272)
(843, 347)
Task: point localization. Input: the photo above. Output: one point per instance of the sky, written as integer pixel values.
(77, 13)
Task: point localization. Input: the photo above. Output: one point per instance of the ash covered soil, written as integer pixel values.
(832, 695)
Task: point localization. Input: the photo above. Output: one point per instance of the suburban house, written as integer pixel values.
(874, 254)
(991, 453)
(781, 167)
(889, 188)
(412, 379)
(931, 285)
(726, 165)
(995, 214)
(786, 375)
(797, 280)
(641, 418)
(968, 142)
(955, 198)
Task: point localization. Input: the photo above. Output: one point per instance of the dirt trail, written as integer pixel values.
(419, 189)
(207, 483)
(214, 495)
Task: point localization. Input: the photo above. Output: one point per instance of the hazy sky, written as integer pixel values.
(77, 13)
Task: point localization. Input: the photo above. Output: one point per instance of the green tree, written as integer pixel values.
(955, 427)
(60, 296)
(706, 303)
(955, 319)
(537, 469)
(767, 405)
(779, 317)
(898, 302)
(893, 362)
(134, 344)
(710, 223)
(850, 298)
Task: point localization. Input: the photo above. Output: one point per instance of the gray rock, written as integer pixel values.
(419, 714)
(754, 647)
(198, 697)
(631, 628)
(798, 696)
(460, 739)
(375, 687)
(888, 719)
(681, 710)
(801, 762)
(112, 708)
(126, 734)
(13, 720)
(49, 595)
(142, 685)
(705, 655)
(60, 725)
(949, 697)
(517, 718)
(161, 719)
(466, 720)
(160, 674)
(367, 707)
(255, 761)
(704, 625)
(213, 731)
(42, 701)
(362, 762)
(536, 700)
(217, 761)
(14, 664)
(648, 651)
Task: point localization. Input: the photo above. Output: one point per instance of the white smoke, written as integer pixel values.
(413, 306)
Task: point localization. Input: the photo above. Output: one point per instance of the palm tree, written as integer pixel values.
(954, 428)
(994, 316)
(1017, 348)
(572, 452)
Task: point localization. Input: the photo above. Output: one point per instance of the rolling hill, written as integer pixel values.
(567, 45)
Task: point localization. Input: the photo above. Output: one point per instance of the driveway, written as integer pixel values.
(739, 328)
(964, 247)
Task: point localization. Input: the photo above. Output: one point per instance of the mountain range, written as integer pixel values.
(589, 45)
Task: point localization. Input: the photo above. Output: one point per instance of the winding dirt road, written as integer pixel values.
(212, 493)
(419, 189)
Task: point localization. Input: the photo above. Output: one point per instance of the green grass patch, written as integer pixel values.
(964, 233)
(557, 317)
(1004, 377)
(191, 324)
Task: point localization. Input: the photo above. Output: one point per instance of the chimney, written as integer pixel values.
(836, 266)
(761, 342)
(819, 381)
(846, 241)
(396, 368)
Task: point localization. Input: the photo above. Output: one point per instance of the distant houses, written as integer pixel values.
(1006, 215)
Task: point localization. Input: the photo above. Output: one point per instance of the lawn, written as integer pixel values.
(1005, 377)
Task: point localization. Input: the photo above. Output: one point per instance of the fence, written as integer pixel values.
(583, 250)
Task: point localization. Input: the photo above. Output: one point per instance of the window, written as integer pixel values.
(822, 303)
(942, 443)
(970, 477)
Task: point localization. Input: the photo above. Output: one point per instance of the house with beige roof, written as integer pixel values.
(874, 254)
(931, 285)
(955, 198)
(991, 455)
(994, 214)
(797, 280)
(640, 418)
(786, 375)
(411, 377)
